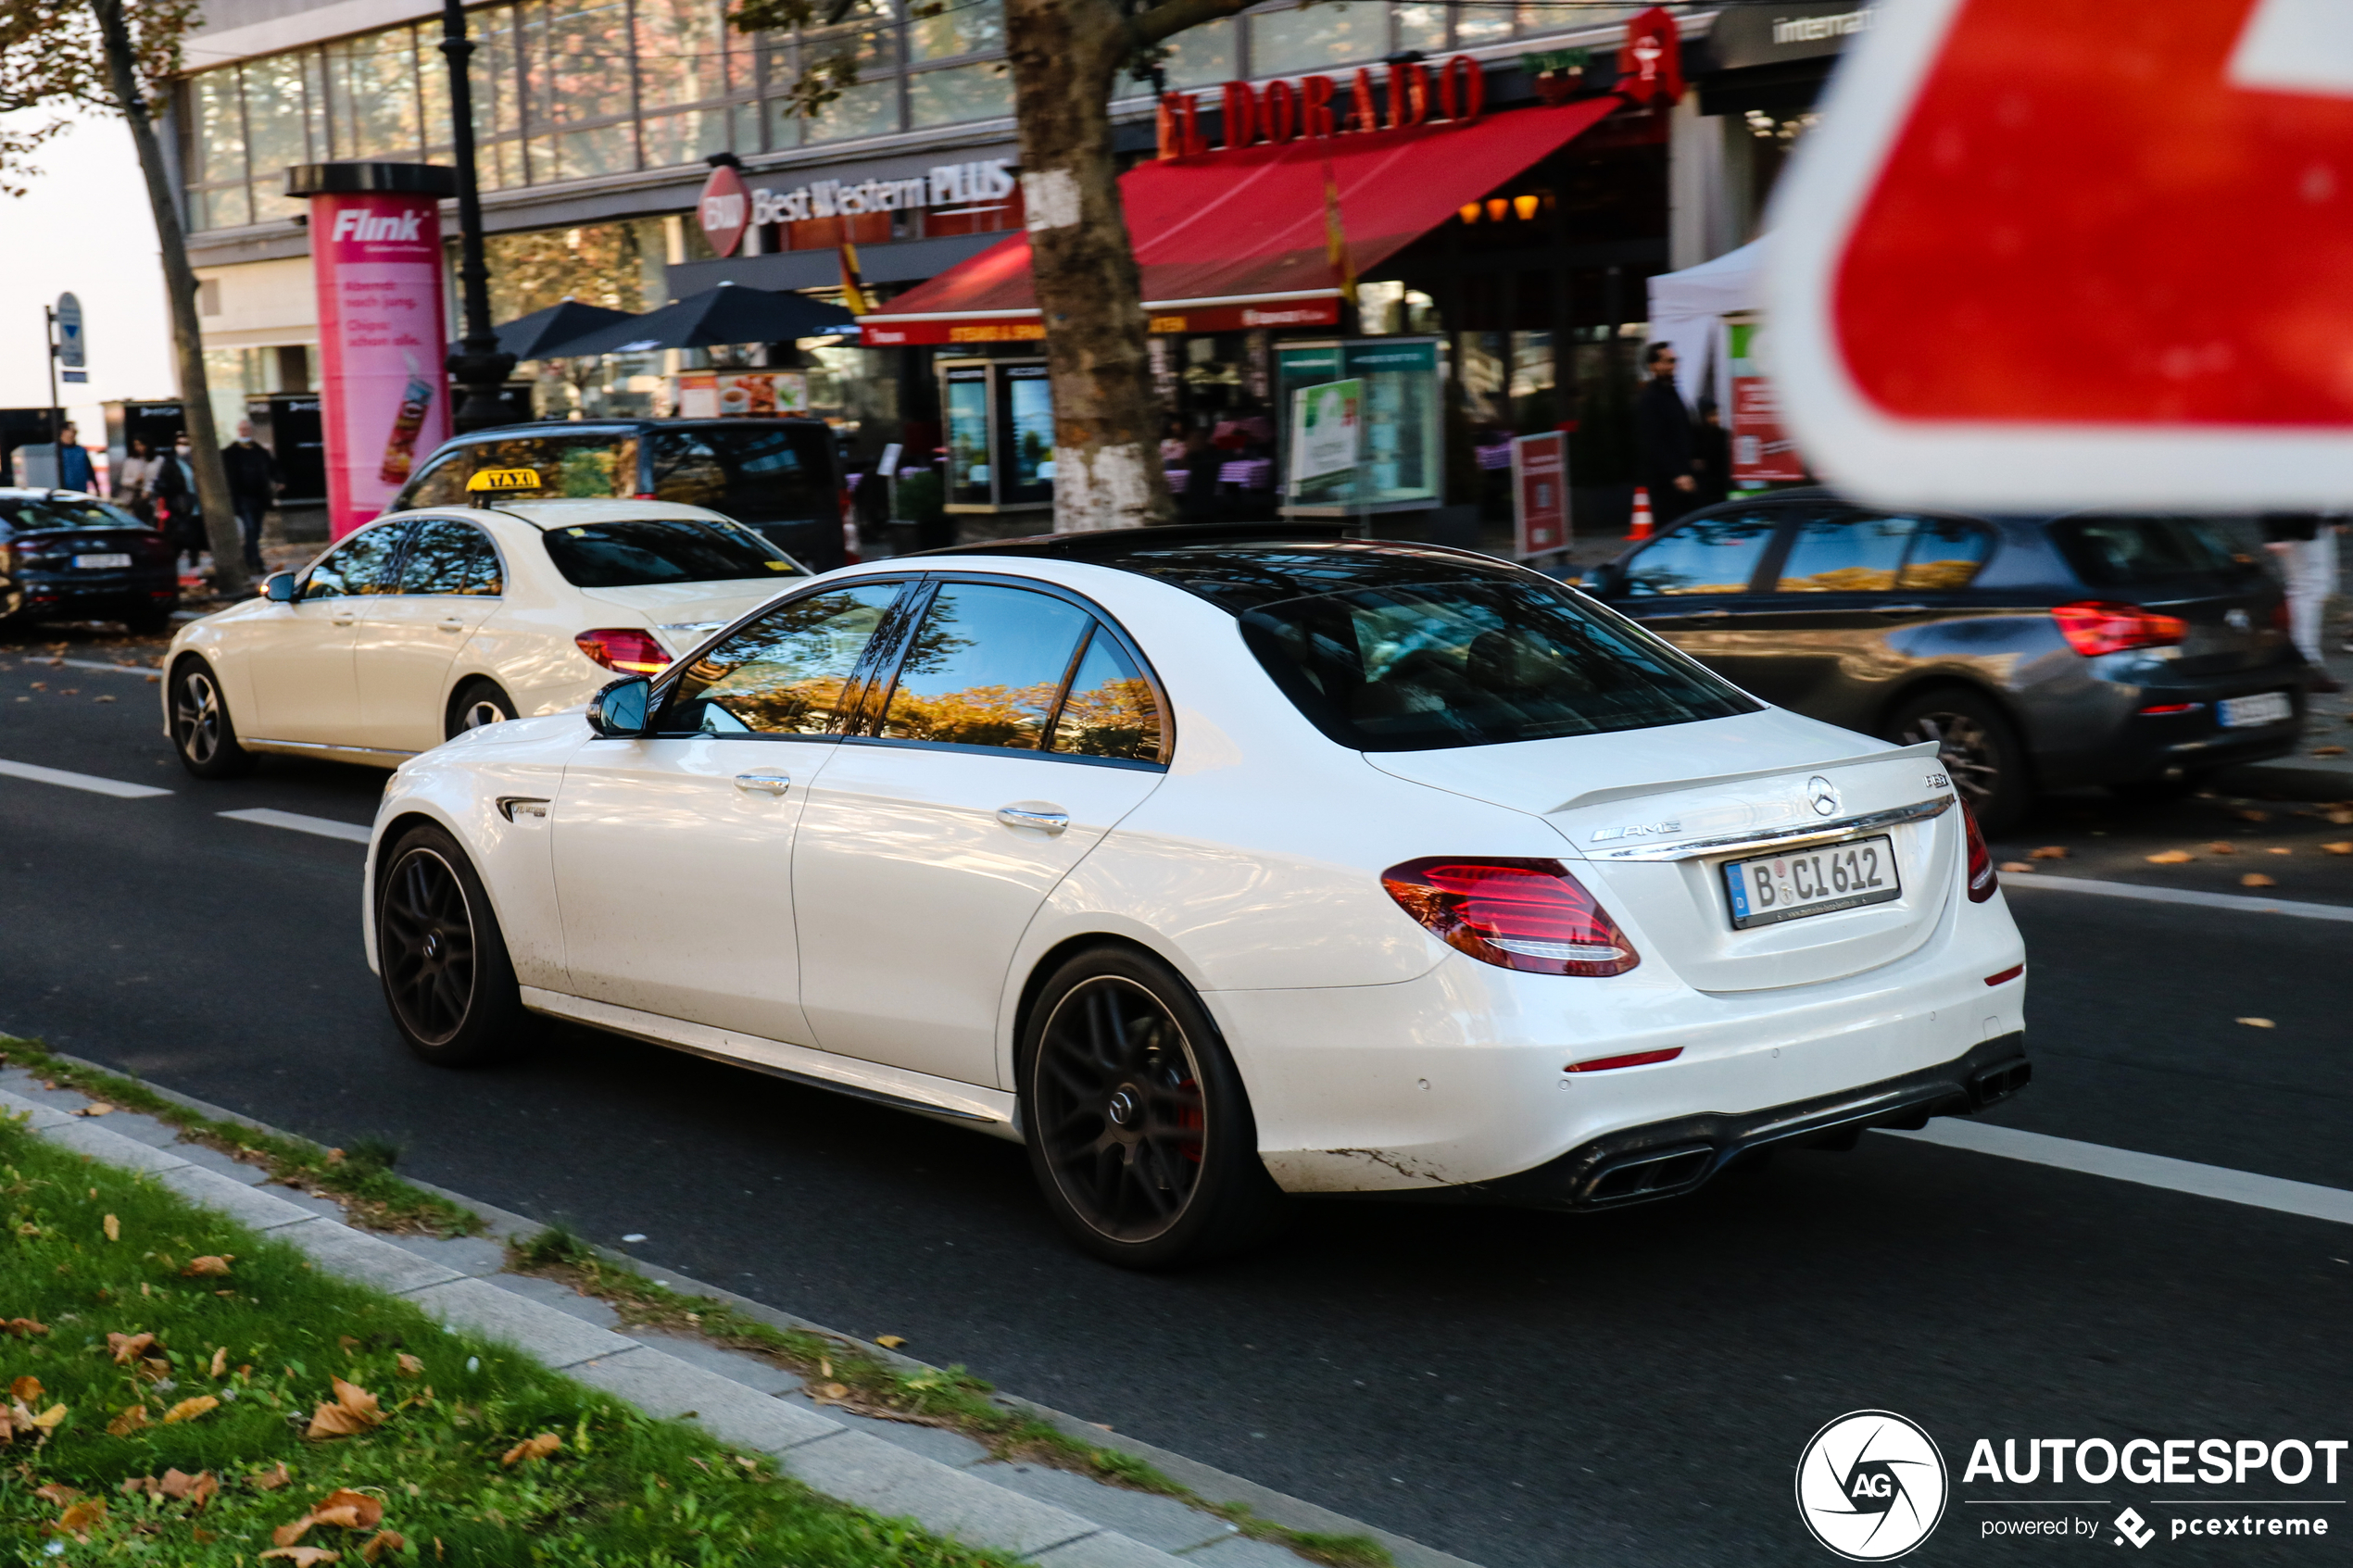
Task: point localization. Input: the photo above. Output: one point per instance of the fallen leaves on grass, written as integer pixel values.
(57, 1492)
(2344, 847)
(77, 1520)
(207, 1265)
(409, 1365)
(2049, 852)
(532, 1447)
(220, 1361)
(381, 1542)
(2257, 879)
(177, 1484)
(113, 1228)
(353, 1410)
(2258, 1023)
(25, 1389)
(343, 1508)
(2171, 858)
(95, 1108)
(269, 1480)
(2222, 847)
(128, 1347)
(127, 1422)
(47, 1421)
(25, 1328)
(303, 1556)
(188, 1410)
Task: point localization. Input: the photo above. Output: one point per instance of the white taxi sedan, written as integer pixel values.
(1215, 863)
(424, 624)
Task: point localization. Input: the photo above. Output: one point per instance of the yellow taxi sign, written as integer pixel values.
(505, 479)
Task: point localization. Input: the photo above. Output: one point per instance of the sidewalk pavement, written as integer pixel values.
(941, 1479)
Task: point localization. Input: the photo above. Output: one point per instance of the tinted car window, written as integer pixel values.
(31, 514)
(624, 555)
(362, 564)
(771, 472)
(1111, 711)
(2126, 552)
(785, 673)
(985, 668)
(1944, 556)
(1845, 553)
(589, 464)
(1386, 647)
(448, 556)
(1713, 556)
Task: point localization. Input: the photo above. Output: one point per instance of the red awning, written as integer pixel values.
(1243, 231)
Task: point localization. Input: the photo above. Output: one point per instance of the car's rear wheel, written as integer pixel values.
(1978, 747)
(442, 957)
(476, 704)
(1139, 1131)
(202, 731)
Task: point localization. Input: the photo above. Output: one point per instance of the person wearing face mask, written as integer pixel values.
(253, 486)
(174, 488)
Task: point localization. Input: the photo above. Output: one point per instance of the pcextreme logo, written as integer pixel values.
(1871, 1486)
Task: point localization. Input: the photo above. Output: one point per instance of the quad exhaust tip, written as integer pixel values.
(2000, 1081)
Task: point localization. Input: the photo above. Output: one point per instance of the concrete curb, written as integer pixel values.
(942, 1480)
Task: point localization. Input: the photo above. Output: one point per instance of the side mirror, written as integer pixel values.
(619, 711)
(278, 587)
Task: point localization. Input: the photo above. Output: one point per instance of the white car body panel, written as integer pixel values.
(1376, 1057)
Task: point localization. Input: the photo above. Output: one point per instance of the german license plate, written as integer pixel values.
(2264, 708)
(99, 563)
(1772, 888)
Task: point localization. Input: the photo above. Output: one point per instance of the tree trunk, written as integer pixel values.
(180, 286)
(1065, 56)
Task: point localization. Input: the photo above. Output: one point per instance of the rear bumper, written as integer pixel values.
(1666, 1159)
(2114, 740)
(50, 595)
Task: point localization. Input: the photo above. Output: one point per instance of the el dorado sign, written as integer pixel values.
(1318, 106)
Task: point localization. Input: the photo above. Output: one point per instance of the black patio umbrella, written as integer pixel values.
(728, 314)
(542, 335)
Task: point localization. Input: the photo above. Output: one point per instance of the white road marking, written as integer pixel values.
(2238, 901)
(2146, 1169)
(325, 827)
(90, 782)
(32, 660)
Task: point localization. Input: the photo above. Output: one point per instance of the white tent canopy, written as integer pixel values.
(1688, 308)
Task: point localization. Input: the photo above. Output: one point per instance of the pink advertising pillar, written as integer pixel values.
(375, 254)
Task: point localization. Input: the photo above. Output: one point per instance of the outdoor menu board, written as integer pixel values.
(1401, 448)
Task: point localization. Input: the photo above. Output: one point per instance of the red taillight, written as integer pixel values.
(2092, 628)
(1528, 915)
(1632, 1059)
(1981, 882)
(2162, 709)
(628, 650)
(645, 495)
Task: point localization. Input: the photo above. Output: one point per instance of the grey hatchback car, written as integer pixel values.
(2138, 652)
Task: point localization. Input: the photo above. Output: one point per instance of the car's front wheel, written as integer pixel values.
(202, 733)
(1978, 748)
(442, 957)
(1139, 1129)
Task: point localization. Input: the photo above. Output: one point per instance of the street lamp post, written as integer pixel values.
(479, 368)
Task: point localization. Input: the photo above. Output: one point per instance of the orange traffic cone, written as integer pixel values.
(1641, 512)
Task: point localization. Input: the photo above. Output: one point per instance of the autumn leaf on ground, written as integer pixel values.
(832, 1390)
(270, 1479)
(2015, 867)
(2049, 852)
(114, 1228)
(2258, 1022)
(25, 1389)
(350, 1510)
(2257, 879)
(303, 1556)
(532, 1447)
(220, 1361)
(2345, 847)
(25, 1328)
(409, 1365)
(49, 1419)
(2170, 858)
(381, 1542)
(890, 1341)
(2328, 751)
(2223, 847)
(127, 1422)
(354, 1411)
(81, 1515)
(188, 1410)
(207, 1265)
(57, 1492)
(128, 1347)
(95, 1108)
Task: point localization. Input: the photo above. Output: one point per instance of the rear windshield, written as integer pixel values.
(29, 513)
(769, 474)
(591, 464)
(625, 555)
(2130, 552)
(1393, 648)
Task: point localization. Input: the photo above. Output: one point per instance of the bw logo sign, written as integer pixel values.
(1870, 1485)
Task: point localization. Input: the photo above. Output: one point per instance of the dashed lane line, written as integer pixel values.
(325, 827)
(91, 782)
(47, 662)
(2284, 1197)
(2238, 901)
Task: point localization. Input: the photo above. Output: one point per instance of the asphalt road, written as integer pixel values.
(1522, 1389)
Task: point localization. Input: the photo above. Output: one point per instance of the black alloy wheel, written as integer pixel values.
(442, 957)
(477, 704)
(1977, 747)
(1139, 1129)
(202, 731)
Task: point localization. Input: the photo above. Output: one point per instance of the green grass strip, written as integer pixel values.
(239, 1364)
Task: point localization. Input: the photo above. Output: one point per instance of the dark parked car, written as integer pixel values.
(777, 475)
(70, 555)
(2137, 652)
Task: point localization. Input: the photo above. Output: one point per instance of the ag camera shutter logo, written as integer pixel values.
(1871, 1486)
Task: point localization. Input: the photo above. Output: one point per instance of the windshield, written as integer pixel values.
(767, 472)
(51, 511)
(626, 555)
(2130, 552)
(1389, 648)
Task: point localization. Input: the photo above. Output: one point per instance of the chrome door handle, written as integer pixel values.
(344, 621)
(763, 784)
(453, 624)
(1047, 817)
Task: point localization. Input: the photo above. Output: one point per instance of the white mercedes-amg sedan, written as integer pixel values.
(426, 623)
(1219, 864)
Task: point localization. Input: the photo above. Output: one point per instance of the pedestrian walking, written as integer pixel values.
(253, 486)
(1667, 443)
(134, 481)
(1714, 446)
(2305, 545)
(174, 488)
(75, 472)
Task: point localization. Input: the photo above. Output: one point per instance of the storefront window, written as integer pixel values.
(1203, 56)
(960, 93)
(968, 28)
(871, 108)
(1315, 37)
(685, 138)
(682, 52)
(374, 83)
(1481, 24)
(1421, 26)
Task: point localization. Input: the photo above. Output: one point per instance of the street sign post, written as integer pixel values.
(71, 352)
(2053, 253)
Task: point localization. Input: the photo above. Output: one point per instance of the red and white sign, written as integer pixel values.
(376, 260)
(1540, 493)
(2050, 253)
(723, 209)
